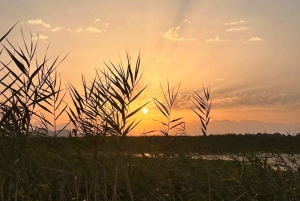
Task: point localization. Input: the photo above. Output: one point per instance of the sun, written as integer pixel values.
(145, 110)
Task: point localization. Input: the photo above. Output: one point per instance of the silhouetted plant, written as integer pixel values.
(121, 95)
(203, 106)
(181, 130)
(4, 36)
(57, 106)
(105, 106)
(166, 110)
(25, 94)
(87, 116)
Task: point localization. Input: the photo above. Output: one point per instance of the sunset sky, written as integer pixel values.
(246, 50)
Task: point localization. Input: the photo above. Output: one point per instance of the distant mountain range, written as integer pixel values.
(227, 126)
(242, 127)
(63, 133)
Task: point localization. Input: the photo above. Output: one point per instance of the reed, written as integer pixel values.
(203, 106)
(104, 108)
(26, 89)
(166, 110)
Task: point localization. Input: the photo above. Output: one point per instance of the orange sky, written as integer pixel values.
(247, 51)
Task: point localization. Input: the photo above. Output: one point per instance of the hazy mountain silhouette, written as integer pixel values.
(63, 133)
(227, 126)
(242, 127)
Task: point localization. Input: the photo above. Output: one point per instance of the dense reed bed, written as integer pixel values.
(99, 161)
(69, 169)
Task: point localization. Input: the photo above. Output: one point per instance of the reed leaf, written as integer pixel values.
(4, 36)
(203, 106)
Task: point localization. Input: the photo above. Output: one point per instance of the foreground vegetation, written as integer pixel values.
(104, 163)
(75, 169)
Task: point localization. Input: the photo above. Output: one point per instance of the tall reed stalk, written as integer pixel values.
(25, 98)
(25, 88)
(203, 105)
(105, 107)
(166, 109)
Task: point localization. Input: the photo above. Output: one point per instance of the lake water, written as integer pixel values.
(275, 161)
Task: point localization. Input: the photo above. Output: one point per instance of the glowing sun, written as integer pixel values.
(145, 110)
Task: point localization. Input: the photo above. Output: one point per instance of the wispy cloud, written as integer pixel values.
(57, 29)
(162, 59)
(40, 37)
(238, 29)
(234, 100)
(95, 30)
(97, 20)
(79, 30)
(88, 29)
(220, 79)
(187, 21)
(235, 23)
(244, 99)
(255, 39)
(172, 35)
(106, 24)
(39, 21)
(183, 100)
(217, 39)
